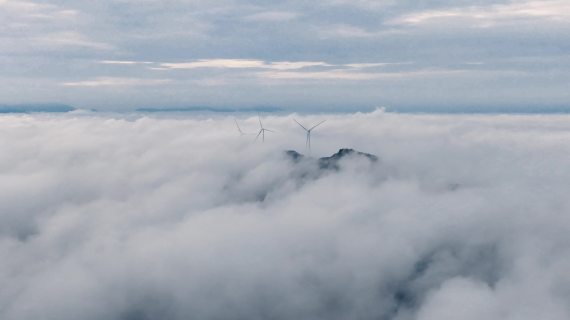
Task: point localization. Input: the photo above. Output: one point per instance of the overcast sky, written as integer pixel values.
(327, 54)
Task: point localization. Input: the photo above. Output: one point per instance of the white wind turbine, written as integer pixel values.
(308, 141)
(261, 131)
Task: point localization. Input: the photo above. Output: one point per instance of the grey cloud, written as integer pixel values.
(33, 28)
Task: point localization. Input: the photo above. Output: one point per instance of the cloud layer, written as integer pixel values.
(164, 217)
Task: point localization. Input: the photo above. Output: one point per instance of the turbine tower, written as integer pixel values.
(261, 131)
(308, 141)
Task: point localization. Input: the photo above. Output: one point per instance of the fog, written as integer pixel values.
(108, 216)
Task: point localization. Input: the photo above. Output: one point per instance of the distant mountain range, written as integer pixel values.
(30, 108)
(211, 109)
(57, 107)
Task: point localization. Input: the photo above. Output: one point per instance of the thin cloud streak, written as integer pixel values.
(117, 82)
(355, 75)
(272, 16)
(125, 62)
(242, 64)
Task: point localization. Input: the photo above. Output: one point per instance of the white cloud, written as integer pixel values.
(484, 16)
(347, 31)
(252, 70)
(242, 64)
(321, 75)
(355, 74)
(304, 70)
(67, 39)
(374, 64)
(286, 65)
(462, 298)
(116, 82)
(364, 4)
(272, 16)
(216, 63)
(125, 62)
(122, 217)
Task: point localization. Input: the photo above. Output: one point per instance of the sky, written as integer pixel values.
(165, 217)
(297, 55)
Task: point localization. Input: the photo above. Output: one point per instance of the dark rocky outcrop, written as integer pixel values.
(307, 167)
(332, 162)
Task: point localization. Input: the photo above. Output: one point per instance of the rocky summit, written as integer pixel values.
(332, 161)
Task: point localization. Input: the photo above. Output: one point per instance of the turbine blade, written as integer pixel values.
(318, 124)
(256, 137)
(237, 125)
(260, 124)
(268, 130)
(300, 125)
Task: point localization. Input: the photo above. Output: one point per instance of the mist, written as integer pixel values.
(134, 216)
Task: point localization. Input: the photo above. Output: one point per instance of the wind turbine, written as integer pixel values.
(241, 133)
(261, 131)
(308, 141)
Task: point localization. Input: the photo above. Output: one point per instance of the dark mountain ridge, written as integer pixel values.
(332, 162)
(40, 107)
(307, 167)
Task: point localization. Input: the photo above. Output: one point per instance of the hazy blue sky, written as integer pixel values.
(294, 54)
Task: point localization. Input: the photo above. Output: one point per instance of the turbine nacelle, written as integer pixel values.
(262, 130)
(308, 131)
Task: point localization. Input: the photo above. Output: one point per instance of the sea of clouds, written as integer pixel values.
(141, 217)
